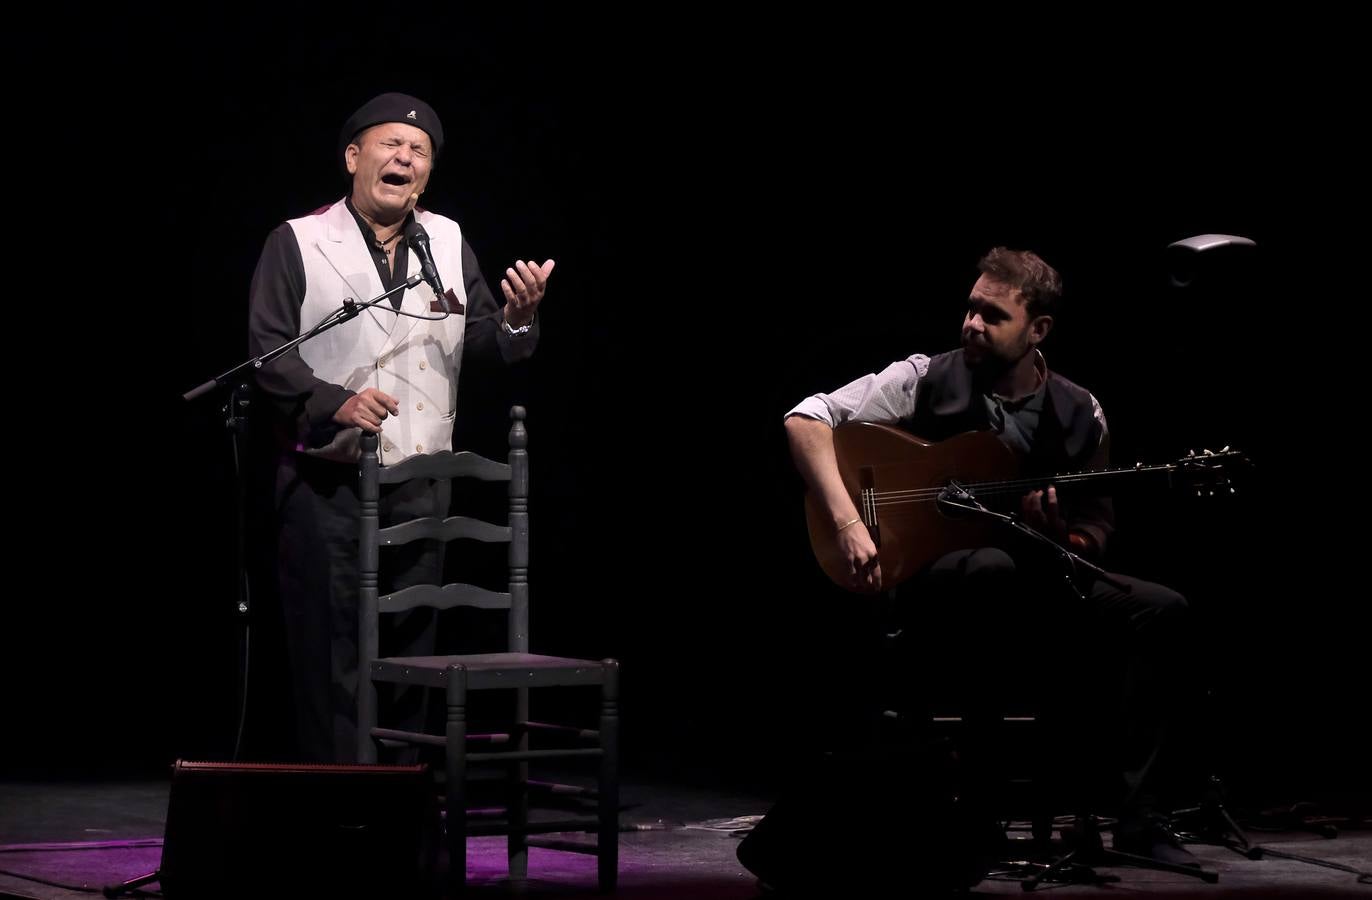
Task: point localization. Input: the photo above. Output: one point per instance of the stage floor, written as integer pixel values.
(96, 833)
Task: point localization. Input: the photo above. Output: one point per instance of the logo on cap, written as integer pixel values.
(411, 115)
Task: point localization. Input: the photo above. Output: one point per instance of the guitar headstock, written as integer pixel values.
(1212, 473)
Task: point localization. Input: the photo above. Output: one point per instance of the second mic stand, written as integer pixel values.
(957, 500)
(1075, 866)
(236, 422)
(236, 418)
(1210, 823)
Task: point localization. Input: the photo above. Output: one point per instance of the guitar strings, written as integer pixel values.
(995, 487)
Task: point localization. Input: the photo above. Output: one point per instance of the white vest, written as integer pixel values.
(413, 360)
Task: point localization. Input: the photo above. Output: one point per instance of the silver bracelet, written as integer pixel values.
(522, 329)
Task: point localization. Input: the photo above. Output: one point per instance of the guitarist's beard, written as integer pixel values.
(988, 367)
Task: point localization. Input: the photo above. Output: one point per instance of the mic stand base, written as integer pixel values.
(1211, 823)
(1077, 865)
(132, 885)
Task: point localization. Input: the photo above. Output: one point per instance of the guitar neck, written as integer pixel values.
(1100, 481)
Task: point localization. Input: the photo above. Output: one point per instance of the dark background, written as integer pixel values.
(744, 211)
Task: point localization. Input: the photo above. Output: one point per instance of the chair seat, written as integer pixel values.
(491, 670)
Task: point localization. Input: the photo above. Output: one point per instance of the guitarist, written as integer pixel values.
(999, 381)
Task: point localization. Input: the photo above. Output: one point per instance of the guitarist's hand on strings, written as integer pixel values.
(1040, 511)
(855, 543)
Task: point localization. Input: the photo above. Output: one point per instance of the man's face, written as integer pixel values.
(389, 163)
(998, 331)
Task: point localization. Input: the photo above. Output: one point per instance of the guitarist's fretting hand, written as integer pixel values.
(1041, 512)
(856, 545)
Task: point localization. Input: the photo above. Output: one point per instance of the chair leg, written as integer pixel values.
(517, 795)
(607, 843)
(456, 794)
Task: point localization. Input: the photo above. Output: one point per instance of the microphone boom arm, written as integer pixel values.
(349, 310)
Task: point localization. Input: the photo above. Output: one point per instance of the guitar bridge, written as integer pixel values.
(868, 497)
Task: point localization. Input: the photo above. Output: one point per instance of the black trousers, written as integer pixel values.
(317, 573)
(1108, 669)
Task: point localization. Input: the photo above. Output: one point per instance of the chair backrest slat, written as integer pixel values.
(446, 465)
(446, 597)
(449, 529)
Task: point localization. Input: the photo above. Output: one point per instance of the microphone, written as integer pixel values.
(418, 239)
(955, 501)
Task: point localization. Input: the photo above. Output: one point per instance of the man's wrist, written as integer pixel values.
(516, 329)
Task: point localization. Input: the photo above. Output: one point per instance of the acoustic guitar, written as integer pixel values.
(895, 480)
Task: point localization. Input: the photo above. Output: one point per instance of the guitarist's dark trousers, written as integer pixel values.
(984, 632)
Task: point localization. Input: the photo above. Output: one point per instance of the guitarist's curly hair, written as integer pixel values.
(1038, 283)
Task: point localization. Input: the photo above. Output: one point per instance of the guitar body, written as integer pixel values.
(882, 460)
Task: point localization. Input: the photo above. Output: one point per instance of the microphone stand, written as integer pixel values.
(236, 417)
(955, 500)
